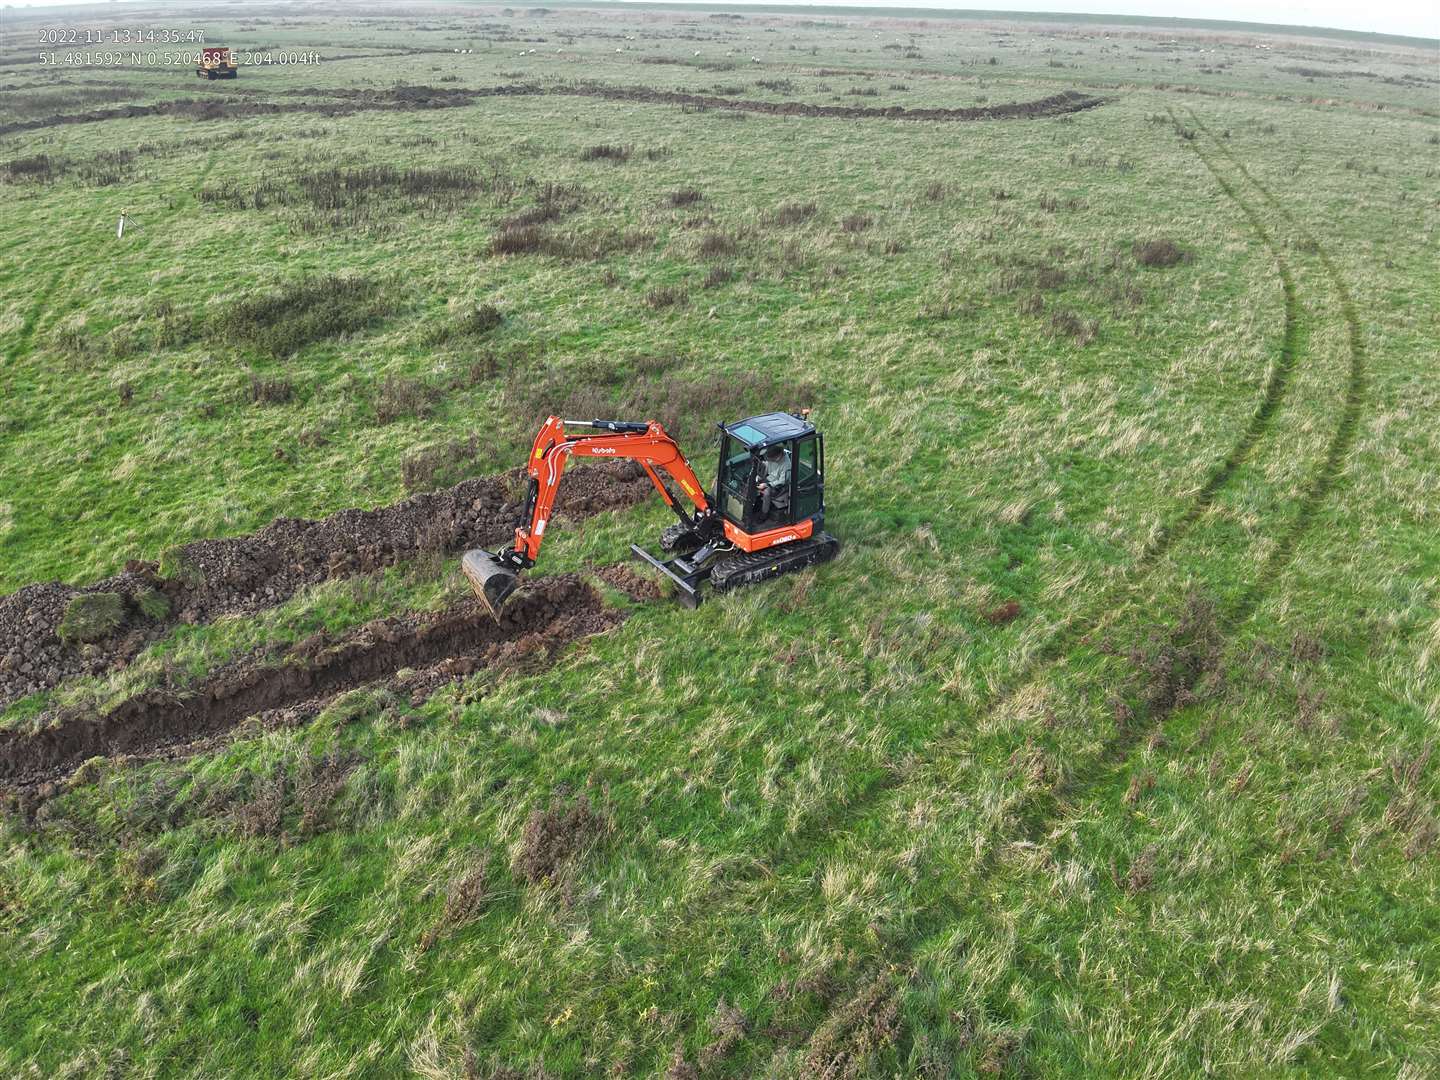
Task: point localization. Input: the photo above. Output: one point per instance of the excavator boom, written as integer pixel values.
(494, 576)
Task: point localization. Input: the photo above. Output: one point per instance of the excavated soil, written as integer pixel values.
(1056, 105)
(431, 650)
(246, 574)
(237, 104)
(633, 585)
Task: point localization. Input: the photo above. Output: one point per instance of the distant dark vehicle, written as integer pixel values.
(217, 62)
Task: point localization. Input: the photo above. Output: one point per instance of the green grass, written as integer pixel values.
(854, 791)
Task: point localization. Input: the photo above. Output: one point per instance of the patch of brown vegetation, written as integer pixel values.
(554, 837)
(465, 897)
(846, 1044)
(1003, 614)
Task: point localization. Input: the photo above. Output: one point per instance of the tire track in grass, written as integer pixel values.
(1326, 476)
(1080, 626)
(1046, 806)
(1109, 765)
(26, 336)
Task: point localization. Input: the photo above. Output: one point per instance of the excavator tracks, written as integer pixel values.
(757, 566)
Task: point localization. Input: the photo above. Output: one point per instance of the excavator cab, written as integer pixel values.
(778, 451)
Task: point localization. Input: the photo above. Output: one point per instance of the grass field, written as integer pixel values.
(1104, 747)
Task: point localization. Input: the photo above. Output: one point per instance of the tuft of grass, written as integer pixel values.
(607, 152)
(404, 396)
(686, 196)
(152, 604)
(792, 213)
(667, 296)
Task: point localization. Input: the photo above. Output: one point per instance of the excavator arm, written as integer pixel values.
(495, 576)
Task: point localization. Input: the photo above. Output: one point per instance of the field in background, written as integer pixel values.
(1104, 747)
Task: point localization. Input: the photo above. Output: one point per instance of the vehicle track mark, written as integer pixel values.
(1077, 628)
(1326, 476)
(1109, 763)
(26, 336)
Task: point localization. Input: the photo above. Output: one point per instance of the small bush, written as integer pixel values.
(265, 391)
(607, 152)
(856, 223)
(516, 240)
(284, 321)
(684, 197)
(400, 396)
(465, 898)
(41, 168)
(91, 617)
(788, 214)
(666, 296)
(440, 466)
(1068, 324)
(1159, 253)
(478, 320)
(716, 244)
(554, 837)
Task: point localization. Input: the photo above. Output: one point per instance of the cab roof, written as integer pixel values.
(760, 431)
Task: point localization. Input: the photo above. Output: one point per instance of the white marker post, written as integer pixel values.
(120, 229)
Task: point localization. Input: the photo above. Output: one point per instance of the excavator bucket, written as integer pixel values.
(492, 580)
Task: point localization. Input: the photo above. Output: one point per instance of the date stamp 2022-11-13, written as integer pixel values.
(167, 46)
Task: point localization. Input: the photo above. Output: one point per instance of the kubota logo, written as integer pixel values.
(603, 450)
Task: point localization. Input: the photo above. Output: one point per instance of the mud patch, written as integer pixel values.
(242, 575)
(637, 588)
(437, 648)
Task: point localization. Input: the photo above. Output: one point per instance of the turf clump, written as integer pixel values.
(92, 617)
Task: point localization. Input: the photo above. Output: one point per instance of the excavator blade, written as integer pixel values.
(491, 579)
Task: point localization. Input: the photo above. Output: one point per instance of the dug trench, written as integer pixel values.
(413, 655)
(346, 102)
(246, 574)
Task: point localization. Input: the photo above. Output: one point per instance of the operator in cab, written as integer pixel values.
(775, 487)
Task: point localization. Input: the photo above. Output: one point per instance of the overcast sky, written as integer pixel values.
(1418, 18)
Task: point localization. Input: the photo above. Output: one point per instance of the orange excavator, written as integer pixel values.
(764, 517)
